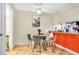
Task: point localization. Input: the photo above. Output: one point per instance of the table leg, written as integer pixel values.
(35, 45)
(40, 46)
(44, 45)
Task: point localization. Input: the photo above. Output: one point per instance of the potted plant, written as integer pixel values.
(39, 31)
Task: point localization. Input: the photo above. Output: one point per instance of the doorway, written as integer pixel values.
(9, 27)
(6, 40)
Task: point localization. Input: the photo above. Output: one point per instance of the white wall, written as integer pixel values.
(67, 14)
(23, 25)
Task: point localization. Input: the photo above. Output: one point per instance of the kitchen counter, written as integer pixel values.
(67, 33)
(68, 40)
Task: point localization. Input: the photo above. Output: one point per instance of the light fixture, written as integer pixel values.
(38, 8)
(39, 11)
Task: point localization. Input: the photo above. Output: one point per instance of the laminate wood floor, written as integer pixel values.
(25, 50)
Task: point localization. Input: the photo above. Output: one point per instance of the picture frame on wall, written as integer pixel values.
(36, 21)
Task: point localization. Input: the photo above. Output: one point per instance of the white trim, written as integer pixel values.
(9, 32)
(70, 51)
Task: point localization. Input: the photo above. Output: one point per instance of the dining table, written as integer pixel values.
(40, 42)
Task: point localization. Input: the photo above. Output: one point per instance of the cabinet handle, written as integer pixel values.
(1, 34)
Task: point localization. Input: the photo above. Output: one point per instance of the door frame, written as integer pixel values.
(11, 41)
(3, 29)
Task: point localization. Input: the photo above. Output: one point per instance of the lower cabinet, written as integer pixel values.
(69, 41)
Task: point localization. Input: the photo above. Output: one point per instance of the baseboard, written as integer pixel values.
(68, 50)
(24, 43)
(21, 43)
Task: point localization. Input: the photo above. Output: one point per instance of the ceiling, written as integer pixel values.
(45, 7)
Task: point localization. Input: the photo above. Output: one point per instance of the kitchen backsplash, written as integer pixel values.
(71, 27)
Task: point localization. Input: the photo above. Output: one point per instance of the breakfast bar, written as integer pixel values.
(68, 40)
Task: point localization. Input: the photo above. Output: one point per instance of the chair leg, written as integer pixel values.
(33, 49)
(52, 47)
(31, 43)
(49, 43)
(40, 47)
(43, 45)
(28, 43)
(35, 46)
(46, 43)
(55, 45)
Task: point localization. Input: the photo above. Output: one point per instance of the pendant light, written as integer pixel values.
(39, 10)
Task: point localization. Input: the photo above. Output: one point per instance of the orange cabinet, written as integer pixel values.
(70, 41)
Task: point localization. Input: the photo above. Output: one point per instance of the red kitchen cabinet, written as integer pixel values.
(67, 40)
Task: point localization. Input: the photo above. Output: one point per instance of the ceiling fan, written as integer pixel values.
(39, 10)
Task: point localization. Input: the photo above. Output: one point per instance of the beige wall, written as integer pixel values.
(67, 14)
(23, 21)
(23, 25)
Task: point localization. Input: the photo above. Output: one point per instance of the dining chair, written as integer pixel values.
(53, 43)
(51, 39)
(47, 37)
(29, 39)
(44, 43)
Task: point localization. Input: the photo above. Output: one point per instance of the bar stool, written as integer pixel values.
(52, 41)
